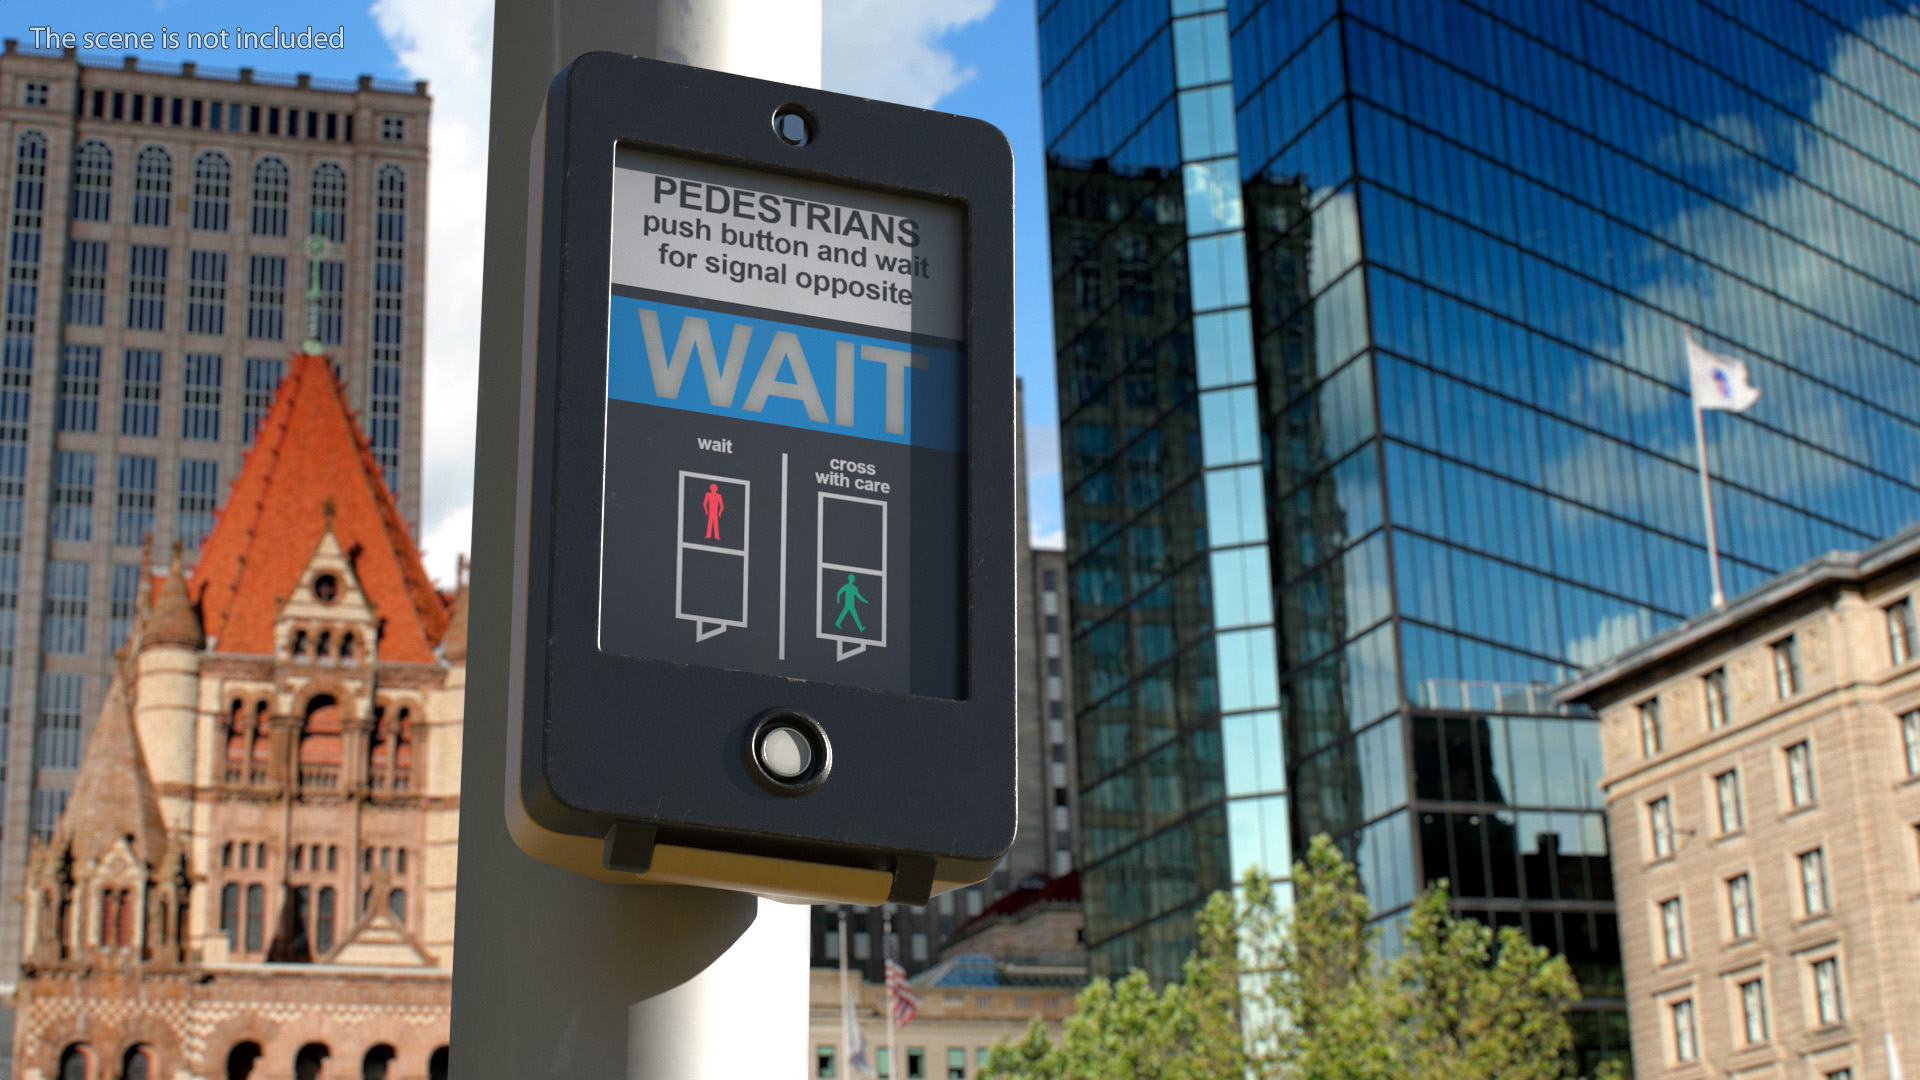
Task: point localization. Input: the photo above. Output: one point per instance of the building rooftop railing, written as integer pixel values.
(1484, 696)
(191, 70)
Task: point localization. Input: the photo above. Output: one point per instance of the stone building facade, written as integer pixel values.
(254, 876)
(158, 260)
(1763, 798)
(950, 1037)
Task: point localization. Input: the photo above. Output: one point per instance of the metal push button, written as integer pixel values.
(787, 752)
(784, 753)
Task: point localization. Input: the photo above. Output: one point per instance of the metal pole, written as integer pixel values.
(1706, 506)
(557, 975)
(846, 1002)
(886, 970)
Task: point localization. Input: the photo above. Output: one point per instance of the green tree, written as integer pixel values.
(1188, 1030)
(1300, 991)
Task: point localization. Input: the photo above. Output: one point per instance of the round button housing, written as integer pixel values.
(787, 752)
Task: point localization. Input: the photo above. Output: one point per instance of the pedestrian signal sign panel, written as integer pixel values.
(764, 565)
(799, 345)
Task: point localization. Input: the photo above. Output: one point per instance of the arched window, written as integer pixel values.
(346, 646)
(92, 181)
(230, 913)
(241, 1060)
(437, 1064)
(76, 1062)
(374, 1065)
(262, 745)
(385, 388)
(320, 744)
(299, 643)
(379, 750)
(390, 752)
(296, 923)
(138, 1064)
(152, 186)
(240, 731)
(271, 181)
(23, 268)
(323, 915)
(403, 751)
(256, 917)
(324, 645)
(212, 190)
(307, 1063)
(329, 200)
(116, 918)
(390, 205)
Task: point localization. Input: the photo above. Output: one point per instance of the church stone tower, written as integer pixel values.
(168, 671)
(254, 877)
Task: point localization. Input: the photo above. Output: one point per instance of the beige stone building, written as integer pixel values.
(948, 1039)
(158, 261)
(1763, 795)
(254, 878)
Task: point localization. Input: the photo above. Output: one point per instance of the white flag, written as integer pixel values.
(857, 1063)
(1894, 1072)
(1719, 382)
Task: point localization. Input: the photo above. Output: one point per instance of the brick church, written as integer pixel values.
(254, 877)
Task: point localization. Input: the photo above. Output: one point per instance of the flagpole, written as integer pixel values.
(892, 950)
(846, 1003)
(1706, 492)
(1706, 506)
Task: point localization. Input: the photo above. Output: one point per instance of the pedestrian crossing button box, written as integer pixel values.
(766, 491)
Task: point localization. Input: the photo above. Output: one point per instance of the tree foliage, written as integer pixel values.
(1300, 990)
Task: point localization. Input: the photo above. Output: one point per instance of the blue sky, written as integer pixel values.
(1003, 51)
(977, 57)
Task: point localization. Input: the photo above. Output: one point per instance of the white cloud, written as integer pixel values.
(446, 540)
(450, 46)
(1041, 444)
(888, 49)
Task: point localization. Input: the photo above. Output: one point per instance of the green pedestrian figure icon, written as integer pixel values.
(848, 595)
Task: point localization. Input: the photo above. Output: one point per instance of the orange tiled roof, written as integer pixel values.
(308, 453)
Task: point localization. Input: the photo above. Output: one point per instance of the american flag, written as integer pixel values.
(899, 997)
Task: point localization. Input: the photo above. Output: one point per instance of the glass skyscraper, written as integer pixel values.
(1370, 320)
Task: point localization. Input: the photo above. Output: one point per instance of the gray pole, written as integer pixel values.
(557, 975)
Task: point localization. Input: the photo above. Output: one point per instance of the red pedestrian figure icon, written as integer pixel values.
(713, 504)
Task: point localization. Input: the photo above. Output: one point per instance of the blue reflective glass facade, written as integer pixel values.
(1369, 322)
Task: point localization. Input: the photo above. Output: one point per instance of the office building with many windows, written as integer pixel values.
(1763, 790)
(1370, 322)
(166, 226)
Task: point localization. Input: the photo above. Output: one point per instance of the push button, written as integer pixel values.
(787, 752)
